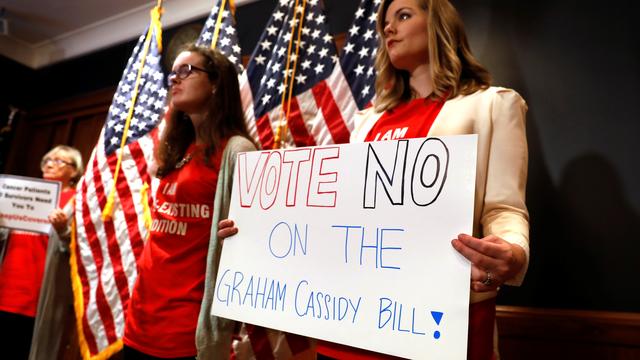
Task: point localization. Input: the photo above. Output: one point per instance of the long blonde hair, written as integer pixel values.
(454, 69)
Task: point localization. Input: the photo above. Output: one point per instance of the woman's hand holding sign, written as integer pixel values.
(493, 260)
(59, 220)
(226, 228)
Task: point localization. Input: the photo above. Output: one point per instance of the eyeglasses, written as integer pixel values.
(182, 72)
(54, 162)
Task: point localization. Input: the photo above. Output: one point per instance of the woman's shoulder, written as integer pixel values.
(368, 112)
(238, 143)
(491, 94)
(493, 97)
(362, 123)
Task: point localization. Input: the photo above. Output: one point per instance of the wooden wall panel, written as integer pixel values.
(76, 122)
(85, 133)
(39, 142)
(535, 333)
(60, 133)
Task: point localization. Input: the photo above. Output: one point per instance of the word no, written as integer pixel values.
(428, 174)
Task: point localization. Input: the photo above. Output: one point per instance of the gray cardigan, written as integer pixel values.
(213, 334)
(54, 326)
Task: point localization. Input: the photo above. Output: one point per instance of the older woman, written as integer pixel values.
(205, 130)
(22, 270)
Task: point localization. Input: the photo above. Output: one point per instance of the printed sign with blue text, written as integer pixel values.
(352, 244)
(25, 203)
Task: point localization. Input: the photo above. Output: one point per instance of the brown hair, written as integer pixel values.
(454, 69)
(224, 117)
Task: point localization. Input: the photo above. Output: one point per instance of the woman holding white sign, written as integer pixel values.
(21, 272)
(196, 154)
(429, 84)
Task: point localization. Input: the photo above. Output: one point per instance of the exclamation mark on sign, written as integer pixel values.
(437, 316)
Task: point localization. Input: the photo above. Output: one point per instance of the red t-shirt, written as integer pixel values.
(23, 267)
(412, 119)
(407, 120)
(163, 311)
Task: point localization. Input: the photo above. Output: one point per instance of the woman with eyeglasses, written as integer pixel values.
(21, 272)
(196, 154)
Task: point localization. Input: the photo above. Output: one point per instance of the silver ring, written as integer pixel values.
(488, 280)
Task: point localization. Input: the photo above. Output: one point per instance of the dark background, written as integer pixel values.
(576, 64)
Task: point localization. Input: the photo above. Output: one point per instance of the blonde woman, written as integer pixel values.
(430, 84)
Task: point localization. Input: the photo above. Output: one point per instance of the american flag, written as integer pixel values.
(219, 32)
(294, 74)
(104, 253)
(359, 52)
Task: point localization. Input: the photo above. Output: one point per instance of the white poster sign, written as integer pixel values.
(352, 244)
(27, 202)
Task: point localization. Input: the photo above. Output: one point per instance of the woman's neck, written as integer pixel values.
(420, 81)
(197, 119)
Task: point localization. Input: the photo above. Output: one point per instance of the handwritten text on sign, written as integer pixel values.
(352, 244)
(25, 203)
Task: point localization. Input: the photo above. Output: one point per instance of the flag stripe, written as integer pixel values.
(313, 118)
(247, 106)
(96, 256)
(297, 126)
(333, 117)
(90, 340)
(107, 302)
(142, 153)
(98, 237)
(106, 316)
(113, 247)
(339, 87)
(260, 342)
(133, 170)
(81, 203)
(297, 343)
(265, 133)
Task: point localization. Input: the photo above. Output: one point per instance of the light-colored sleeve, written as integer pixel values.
(363, 121)
(213, 333)
(4, 235)
(64, 238)
(504, 212)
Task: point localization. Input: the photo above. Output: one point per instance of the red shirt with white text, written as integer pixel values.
(163, 311)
